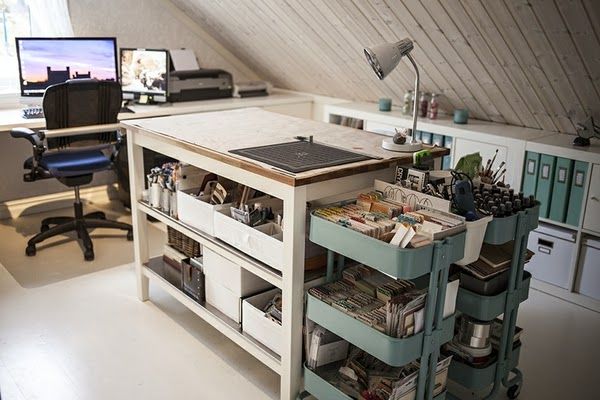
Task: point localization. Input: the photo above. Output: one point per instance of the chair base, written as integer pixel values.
(79, 223)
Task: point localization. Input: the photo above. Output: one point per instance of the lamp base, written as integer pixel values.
(389, 144)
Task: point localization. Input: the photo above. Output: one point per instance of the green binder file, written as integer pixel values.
(530, 173)
(561, 189)
(543, 192)
(576, 197)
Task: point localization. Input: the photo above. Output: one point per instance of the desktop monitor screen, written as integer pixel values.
(47, 61)
(144, 72)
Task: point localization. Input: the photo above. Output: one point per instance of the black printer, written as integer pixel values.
(199, 84)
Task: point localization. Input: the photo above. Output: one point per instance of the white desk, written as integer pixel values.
(15, 151)
(12, 118)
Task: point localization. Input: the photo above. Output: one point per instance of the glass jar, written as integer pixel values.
(407, 105)
(423, 104)
(433, 106)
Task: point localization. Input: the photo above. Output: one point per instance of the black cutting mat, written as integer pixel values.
(300, 156)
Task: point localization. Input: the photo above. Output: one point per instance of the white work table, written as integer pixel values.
(203, 140)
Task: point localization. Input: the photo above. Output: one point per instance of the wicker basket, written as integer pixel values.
(184, 244)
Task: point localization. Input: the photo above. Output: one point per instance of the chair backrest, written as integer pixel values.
(81, 102)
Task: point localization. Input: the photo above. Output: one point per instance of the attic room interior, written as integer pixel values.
(299, 199)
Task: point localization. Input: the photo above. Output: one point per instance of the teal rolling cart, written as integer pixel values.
(487, 308)
(434, 259)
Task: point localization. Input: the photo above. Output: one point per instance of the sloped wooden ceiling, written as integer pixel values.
(533, 63)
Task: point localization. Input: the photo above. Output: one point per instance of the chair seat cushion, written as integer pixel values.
(73, 163)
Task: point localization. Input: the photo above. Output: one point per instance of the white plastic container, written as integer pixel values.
(264, 242)
(474, 239)
(223, 300)
(236, 279)
(261, 328)
(197, 212)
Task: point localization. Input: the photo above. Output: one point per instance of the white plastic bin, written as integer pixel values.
(474, 239)
(197, 212)
(264, 242)
(224, 272)
(257, 325)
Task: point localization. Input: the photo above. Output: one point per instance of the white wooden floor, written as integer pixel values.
(90, 338)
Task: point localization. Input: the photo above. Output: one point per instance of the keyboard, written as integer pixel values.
(32, 112)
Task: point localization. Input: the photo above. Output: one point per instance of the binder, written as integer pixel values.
(426, 137)
(561, 189)
(580, 170)
(447, 160)
(545, 181)
(437, 140)
(530, 173)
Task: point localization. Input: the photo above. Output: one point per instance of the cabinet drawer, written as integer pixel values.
(591, 219)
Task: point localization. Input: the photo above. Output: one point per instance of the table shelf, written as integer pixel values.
(153, 270)
(240, 258)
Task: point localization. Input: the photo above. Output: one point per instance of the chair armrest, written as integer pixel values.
(35, 138)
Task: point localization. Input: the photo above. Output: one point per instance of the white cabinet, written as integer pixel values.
(591, 219)
(463, 147)
(589, 275)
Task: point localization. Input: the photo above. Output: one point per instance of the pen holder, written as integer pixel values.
(165, 200)
(461, 116)
(385, 104)
(155, 195)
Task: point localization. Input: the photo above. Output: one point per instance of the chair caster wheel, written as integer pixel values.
(88, 255)
(513, 392)
(30, 251)
(44, 228)
(130, 235)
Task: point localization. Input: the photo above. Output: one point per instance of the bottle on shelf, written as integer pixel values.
(423, 104)
(407, 106)
(433, 106)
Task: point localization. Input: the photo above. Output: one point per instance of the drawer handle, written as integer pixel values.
(595, 198)
(544, 250)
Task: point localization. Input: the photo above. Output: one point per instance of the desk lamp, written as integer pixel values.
(383, 59)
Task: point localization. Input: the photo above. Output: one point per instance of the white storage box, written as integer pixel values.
(553, 248)
(589, 275)
(450, 300)
(197, 212)
(474, 239)
(264, 242)
(236, 279)
(261, 328)
(223, 300)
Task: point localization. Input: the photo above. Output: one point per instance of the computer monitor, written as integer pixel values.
(144, 74)
(47, 61)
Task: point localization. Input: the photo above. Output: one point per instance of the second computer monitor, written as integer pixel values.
(144, 74)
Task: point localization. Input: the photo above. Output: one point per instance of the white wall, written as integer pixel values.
(152, 24)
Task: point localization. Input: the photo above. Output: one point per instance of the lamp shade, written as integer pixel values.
(384, 58)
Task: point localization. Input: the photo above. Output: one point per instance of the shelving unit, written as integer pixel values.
(487, 308)
(434, 259)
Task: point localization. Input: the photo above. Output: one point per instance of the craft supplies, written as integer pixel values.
(433, 106)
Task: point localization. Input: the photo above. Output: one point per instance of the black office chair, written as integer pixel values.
(73, 160)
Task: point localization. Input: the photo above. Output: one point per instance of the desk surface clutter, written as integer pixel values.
(215, 134)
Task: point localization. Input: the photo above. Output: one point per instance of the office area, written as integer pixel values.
(283, 299)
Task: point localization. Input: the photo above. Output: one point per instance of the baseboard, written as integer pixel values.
(55, 201)
(563, 294)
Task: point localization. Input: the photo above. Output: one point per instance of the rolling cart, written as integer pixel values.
(486, 308)
(434, 259)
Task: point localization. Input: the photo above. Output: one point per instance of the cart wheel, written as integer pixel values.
(513, 391)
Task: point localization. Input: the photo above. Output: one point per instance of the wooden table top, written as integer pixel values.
(214, 134)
